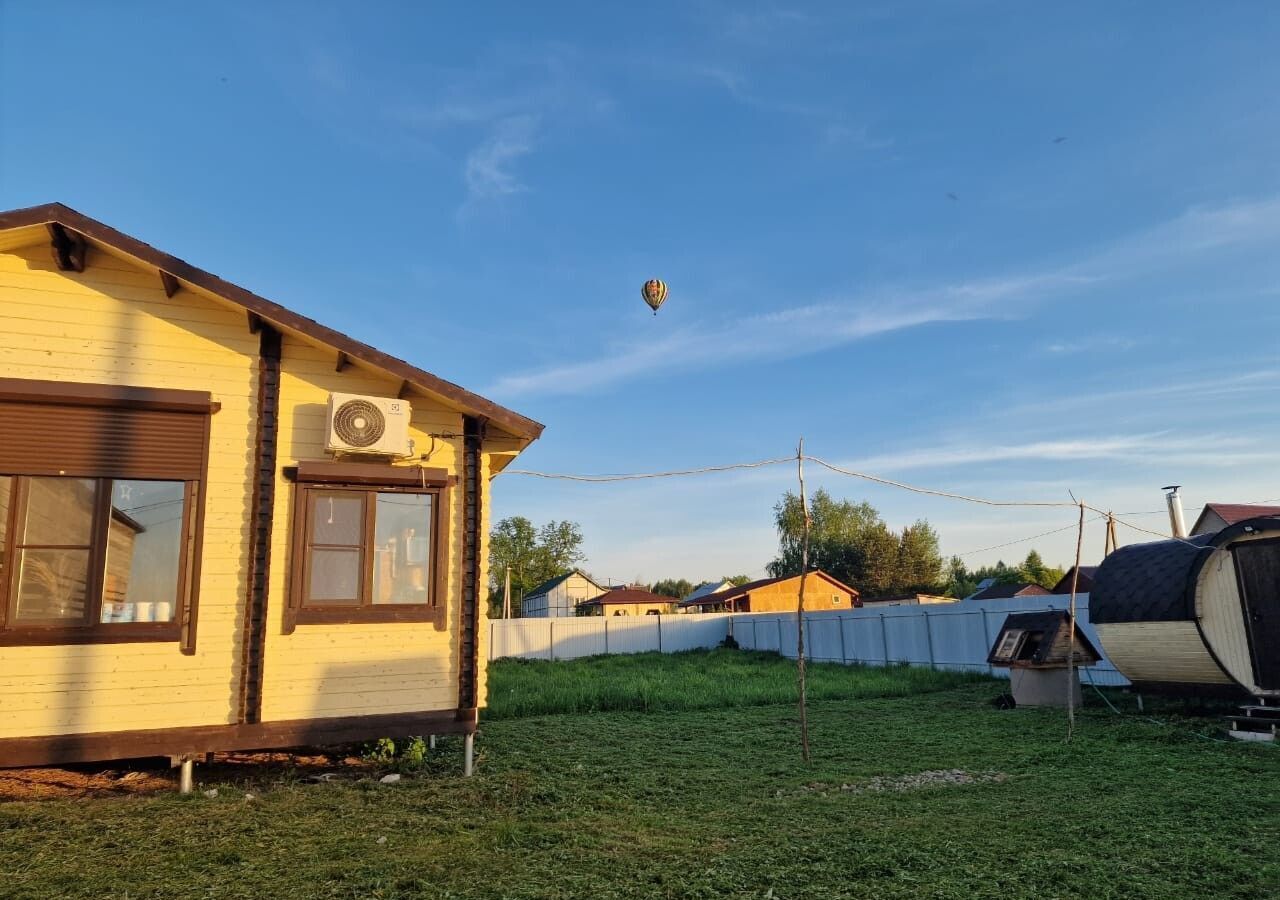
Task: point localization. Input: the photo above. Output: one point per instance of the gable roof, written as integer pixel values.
(739, 592)
(58, 219)
(552, 583)
(1231, 513)
(627, 595)
(1082, 586)
(1051, 623)
(1007, 591)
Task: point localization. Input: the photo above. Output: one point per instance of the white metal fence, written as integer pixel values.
(943, 636)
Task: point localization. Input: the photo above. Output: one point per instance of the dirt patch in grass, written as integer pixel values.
(153, 775)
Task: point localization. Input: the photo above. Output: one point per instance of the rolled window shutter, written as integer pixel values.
(101, 442)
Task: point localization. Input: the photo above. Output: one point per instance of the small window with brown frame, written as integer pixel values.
(365, 553)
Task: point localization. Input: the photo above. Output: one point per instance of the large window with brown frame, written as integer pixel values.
(365, 554)
(92, 559)
(101, 495)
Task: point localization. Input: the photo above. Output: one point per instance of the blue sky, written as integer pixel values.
(998, 248)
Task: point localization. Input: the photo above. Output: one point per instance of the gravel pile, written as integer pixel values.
(881, 783)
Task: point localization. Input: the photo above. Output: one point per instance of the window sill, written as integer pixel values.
(107, 634)
(380, 614)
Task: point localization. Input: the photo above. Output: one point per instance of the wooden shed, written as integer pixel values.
(191, 560)
(1198, 614)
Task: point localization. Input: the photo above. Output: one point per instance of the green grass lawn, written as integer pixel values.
(662, 794)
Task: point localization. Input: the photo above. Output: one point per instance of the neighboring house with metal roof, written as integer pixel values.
(195, 568)
(1217, 516)
(628, 601)
(560, 596)
(911, 599)
(707, 588)
(1009, 591)
(822, 591)
(1083, 586)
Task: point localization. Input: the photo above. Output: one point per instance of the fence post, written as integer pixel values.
(780, 653)
(884, 639)
(986, 640)
(843, 658)
(755, 638)
(551, 638)
(606, 635)
(928, 634)
(659, 617)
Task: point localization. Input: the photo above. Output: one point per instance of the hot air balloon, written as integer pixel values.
(654, 293)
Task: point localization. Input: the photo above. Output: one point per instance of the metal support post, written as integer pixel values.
(468, 754)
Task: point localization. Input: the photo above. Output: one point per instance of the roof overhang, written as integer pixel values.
(69, 233)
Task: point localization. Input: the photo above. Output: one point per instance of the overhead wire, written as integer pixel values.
(934, 492)
(636, 476)
(866, 476)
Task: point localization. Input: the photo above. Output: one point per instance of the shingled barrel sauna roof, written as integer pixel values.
(1156, 582)
(1147, 582)
(68, 230)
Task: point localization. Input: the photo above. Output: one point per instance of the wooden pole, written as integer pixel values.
(1111, 536)
(1071, 633)
(804, 575)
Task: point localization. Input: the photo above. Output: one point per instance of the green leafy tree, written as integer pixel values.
(673, 587)
(920, 564)
(533, 554)
(961, 581)
(851, 542)
(736, 580)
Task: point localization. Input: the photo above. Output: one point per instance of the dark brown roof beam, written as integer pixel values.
(343, 361)
(403, 393)
(255, 323)
(171, 284)
(69, 248)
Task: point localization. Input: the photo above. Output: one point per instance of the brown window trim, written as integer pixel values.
(309, 478)
(372, 474)
(90, 629)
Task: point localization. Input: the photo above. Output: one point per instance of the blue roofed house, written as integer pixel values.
(707, 588)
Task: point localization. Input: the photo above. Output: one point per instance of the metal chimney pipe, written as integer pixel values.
(1176, 522)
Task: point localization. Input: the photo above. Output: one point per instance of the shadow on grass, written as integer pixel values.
(697, 679)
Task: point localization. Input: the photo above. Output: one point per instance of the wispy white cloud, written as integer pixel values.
(488, 168)
(1094, 343)
(763, 24)
(1217, 450)
(1183, 390)
(1196, 232)
(814, 327)
(796, 331)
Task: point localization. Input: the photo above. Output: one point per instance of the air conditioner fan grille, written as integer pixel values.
(359, 423)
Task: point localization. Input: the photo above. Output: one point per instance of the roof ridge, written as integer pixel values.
(61, 214)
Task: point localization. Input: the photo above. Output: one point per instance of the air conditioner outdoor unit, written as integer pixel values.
(372, 425)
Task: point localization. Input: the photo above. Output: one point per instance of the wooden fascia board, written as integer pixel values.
(285, 319)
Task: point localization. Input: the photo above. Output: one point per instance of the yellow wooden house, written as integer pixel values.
(822, 592)
(222, 524)
(627, 601)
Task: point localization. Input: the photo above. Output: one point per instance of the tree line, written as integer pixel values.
(847, 539)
